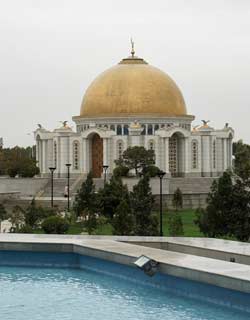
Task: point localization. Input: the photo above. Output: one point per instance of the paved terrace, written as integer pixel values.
(122, 250)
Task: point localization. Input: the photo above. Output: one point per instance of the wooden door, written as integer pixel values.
(97, 156)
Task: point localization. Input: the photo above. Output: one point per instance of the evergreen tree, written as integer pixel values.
(146, 223)
(3, 214)
(228, 210)
(111, 196)
(177, 199)
(239, 215)
(241, 152)
(86, 204)
(175, 225)
(214, 220)
(123, 221)
(86, 198)
(33, 214)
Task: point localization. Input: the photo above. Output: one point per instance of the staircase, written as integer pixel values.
(58, 187)
(191, 185)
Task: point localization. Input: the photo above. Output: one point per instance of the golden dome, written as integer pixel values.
(133, 87)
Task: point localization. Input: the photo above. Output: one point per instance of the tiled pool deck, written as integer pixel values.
(188, 265)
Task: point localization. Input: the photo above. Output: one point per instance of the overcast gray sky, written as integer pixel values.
(52, 49)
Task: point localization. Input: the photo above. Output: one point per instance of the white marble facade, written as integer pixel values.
(179, 149)
(134, 104)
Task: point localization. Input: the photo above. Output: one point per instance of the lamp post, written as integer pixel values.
(52, 169)
(68, 165)
(105, 168)
(161, 174)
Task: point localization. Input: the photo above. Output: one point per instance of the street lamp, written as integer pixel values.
(68, 165)
(52, 169)
(105, 168)
(161, 174)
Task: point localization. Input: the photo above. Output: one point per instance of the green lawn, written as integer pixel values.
(190, 228)
(188, 216)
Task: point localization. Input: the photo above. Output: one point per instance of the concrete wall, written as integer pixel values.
(26, 186)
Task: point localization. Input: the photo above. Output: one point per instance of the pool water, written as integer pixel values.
(28, 293)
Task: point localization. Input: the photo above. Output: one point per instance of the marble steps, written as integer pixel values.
(190, 185)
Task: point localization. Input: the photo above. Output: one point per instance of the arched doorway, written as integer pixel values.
(97, 156)
(176, 155)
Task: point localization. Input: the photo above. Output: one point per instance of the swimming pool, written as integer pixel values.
(37, 289)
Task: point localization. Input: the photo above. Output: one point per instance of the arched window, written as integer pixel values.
(144, 129)
(119, 149)
(156, 127)
(214, 154)
(194, 151)
(76, 155)
(125, 129)
(55, 154)
(150, 129)
(112, 127)
(119, 130)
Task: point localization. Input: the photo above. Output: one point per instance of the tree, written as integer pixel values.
(34, 214)
(241, 152)
(136, 158)
(121, 171)
(87, 204)
(18, 161)
(17, 218)
(151, 170)
(228, 210)
(142, 200)
(239, 219)
(55, 225)
(213, 221)
(177, 199)
(3, 214)
(123, 221)
(86, 199)
(111, 196)
(175, 225)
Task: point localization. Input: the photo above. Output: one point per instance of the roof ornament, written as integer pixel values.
(64, 123)
(205, 122)
(132, 47)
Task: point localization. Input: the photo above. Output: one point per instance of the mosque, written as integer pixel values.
(134, 104)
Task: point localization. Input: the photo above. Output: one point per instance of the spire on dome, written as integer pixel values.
(132, 47)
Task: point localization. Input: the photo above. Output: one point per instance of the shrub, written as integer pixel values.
(177, 199)
(175, 225)
(25, 229)
(121, 171)
(151, 170)
(55, 225)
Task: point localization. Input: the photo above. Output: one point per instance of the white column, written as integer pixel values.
(63, 155)
(44, 155)
(38, 151)
(158, 153)
(167, 155)
(105, 151)
(84, 154)
(225, 154)
(205, 154)
(187, 156)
